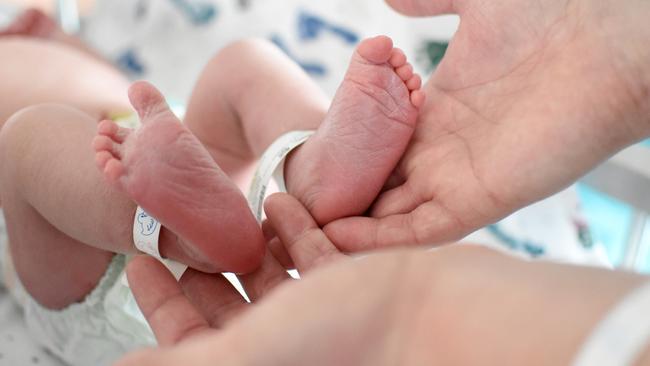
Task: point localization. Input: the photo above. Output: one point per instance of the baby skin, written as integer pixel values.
(167, 169)
(33, 23)
(56, 201)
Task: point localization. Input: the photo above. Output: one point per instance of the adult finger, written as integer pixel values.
(213, 296)
(280, 253)
(200, 351)
(305, 241)
(398, 200)
(162, 301)
(428, 224)
(275, 246)
(265, 279)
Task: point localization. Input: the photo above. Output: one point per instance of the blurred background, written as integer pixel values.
(601, 221)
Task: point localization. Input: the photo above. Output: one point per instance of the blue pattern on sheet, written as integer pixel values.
(312, 68)
(515, 244)
(130, 63)
(311, 26)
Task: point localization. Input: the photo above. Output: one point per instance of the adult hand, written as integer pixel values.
(345, 314)
(200, 301)
(395, 308)
(350, 313)
(529, 97)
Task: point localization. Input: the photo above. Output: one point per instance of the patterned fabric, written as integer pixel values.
(169, 41)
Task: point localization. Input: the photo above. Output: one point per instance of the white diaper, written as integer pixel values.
(97, 331)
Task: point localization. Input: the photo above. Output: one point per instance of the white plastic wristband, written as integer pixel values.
(146, 232)
(622, 336)
(271, 165)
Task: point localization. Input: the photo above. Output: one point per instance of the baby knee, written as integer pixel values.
(23, 128)
(34, 119)
(25, 120)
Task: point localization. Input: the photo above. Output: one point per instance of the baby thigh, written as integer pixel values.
(248, 95)
(35, 71)
(63, 221)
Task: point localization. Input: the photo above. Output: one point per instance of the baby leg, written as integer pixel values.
(55, 205)
(248, 95)
(341, 169)
(166, 170)
(64, 221)
(35, 71)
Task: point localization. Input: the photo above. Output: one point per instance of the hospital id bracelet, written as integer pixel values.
(146, 232)
(271, 165)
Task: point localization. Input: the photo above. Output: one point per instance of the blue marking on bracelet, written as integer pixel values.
(147, 223)
(535, 250)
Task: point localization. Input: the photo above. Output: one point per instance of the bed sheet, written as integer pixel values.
(319, 35)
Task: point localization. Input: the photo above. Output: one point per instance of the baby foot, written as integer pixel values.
(341, 169)
(166, 170)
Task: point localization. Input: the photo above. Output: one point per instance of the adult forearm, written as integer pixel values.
(489, 309)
